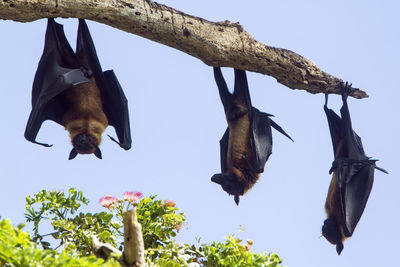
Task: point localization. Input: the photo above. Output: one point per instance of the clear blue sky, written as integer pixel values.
(177, 120)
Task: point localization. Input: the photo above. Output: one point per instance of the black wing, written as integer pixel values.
(278, 128)
(223, 146)
(261, 139)
(57, 71)
(355, 180)
(115, 104)
(116, 109)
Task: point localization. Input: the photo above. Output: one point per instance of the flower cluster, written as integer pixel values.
(129, 197)
(107, 201)
(132, 196)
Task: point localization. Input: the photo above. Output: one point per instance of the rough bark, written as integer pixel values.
(103, 250)
(133, 240)
(215, 43)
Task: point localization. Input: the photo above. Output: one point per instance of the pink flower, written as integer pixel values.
(107, 201)
(169, 203)
(132, 196)
(178, 227)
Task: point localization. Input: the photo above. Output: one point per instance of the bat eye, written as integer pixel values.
(96, 130)
(75, 128)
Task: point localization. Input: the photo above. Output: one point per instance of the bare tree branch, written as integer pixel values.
(216, 44)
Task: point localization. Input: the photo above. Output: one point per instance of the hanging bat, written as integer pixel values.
(72, 90)
(247, 142)
(352, 179)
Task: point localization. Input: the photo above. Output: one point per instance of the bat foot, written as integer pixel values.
(346, 89)
(326, 101)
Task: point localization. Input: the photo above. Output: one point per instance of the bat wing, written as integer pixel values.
(278, 128)
(261, 139)
(116, 109)
(115, 104)
(223, 146)
(355, 182)
(57, 71)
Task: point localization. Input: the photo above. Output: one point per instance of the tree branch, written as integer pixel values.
(215, 43)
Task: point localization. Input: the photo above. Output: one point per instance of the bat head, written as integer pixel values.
(229, 184)
(85, 144)
(332, 232)
(85, 136)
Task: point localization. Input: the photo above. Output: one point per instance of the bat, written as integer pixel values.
(72, 90)
(247, 142)
(352, 179)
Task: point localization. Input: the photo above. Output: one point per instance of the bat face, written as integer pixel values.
(229, 183)
(71, 89)
(85, 135)
(332, 231)
(247, 142)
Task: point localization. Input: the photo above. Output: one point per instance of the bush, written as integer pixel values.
(72, 231)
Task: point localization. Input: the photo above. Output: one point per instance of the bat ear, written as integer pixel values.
(97, 153)
(72, 154)
(236, 198)
(217, 178)
(339, 248)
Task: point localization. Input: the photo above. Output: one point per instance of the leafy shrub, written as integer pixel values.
(161, 221)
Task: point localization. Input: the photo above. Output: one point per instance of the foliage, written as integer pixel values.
(73, 232)
(16, 249)
(161, 221)
(232, 253)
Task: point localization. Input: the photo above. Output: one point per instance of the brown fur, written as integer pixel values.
(333, 206)
(239, 145)
(84, 111)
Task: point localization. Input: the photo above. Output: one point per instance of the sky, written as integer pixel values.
(177, 120)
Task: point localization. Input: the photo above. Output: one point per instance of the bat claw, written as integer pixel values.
(42, 144)
(382, 170)
(346, 89)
